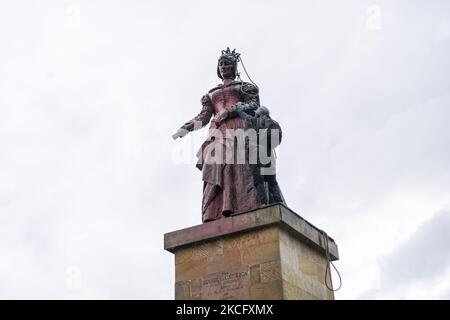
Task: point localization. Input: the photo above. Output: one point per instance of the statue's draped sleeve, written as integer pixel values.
(250, 98)
(203, 117)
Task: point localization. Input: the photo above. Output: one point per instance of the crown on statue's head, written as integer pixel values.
(230, 54)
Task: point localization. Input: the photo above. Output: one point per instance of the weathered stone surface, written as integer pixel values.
(266, 216)
(270, 253)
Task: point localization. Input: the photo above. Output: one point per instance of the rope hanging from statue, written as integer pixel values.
(239, 59)
(327, 270)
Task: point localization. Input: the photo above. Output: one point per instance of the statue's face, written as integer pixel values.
(226, 68)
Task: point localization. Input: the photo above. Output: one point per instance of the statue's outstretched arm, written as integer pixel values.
(202, 119)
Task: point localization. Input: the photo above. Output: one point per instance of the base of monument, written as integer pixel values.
(267, 253)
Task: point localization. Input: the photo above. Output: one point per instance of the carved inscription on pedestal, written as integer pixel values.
(233, 284)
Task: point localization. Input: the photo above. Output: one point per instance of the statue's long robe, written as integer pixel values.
(227, 187)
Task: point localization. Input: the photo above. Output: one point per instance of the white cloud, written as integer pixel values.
(418, 268)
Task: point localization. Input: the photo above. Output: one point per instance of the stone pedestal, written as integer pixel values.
(268, 253)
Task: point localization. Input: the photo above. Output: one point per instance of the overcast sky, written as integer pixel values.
(91, 91)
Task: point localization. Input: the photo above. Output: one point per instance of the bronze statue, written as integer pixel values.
(238, 185)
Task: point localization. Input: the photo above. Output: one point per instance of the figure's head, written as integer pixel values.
(227, 64)
(262, 111)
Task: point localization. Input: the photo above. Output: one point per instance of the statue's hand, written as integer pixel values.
(221, 117)
(180, 133)
(236, 107)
